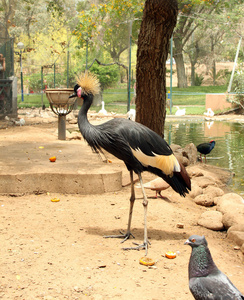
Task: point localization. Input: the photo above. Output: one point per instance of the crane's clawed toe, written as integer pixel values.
(139, 247)
(124, 236)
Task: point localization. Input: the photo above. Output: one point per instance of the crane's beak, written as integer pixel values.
(73, 95)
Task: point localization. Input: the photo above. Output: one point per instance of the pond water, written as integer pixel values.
(228, 152)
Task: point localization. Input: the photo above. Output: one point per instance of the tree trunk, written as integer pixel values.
(158, 22)
(213, 67)
(193, 57)
(192, 73)
(180, 66)
(214, 71)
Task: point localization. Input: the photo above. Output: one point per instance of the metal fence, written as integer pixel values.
(7, 105)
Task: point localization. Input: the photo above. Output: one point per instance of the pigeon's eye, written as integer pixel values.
(193, 240)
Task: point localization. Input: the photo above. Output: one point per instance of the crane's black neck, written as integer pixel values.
(87, 102)
(88, 99)
(83, 122)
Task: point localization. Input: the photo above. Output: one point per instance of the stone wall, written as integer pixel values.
(217, 102)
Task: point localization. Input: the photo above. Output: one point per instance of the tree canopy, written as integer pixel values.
(73, 33)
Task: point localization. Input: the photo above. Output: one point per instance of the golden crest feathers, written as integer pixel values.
(89, 83)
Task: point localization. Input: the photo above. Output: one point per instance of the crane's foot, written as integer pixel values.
(139, 247)
(124, 236)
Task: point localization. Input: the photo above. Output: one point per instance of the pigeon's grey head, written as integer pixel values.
(196, 240)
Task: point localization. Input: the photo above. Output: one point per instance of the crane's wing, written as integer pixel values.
(142, 149)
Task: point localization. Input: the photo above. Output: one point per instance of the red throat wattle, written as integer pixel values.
(79, 92)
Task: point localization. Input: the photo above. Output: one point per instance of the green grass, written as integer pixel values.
(32, 100)
(191, 98)
(201, 89)
(193, 110)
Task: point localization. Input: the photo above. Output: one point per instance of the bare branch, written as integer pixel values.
(110, 64)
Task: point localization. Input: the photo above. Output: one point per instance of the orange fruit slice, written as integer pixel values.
(55, 199)
(52, 159)
(146, 261)
(170, 254)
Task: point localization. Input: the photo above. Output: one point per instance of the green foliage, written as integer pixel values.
(55, 6)
(35, 82)
(223, 75)
(238, 86)
(109, 22)
(198, 79)
(107, 75)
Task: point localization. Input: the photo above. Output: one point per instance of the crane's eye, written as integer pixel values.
(193, 240)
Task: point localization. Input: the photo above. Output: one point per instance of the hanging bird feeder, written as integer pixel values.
(61, 105)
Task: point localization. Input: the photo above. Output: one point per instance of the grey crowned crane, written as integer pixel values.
(139, 147)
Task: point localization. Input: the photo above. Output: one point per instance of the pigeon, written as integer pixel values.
(206, 281)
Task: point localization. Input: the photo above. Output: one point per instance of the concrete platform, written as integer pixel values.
(25, 165)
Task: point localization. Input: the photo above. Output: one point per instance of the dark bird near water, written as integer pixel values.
(140, 148)
(205, 148)
(206, 281)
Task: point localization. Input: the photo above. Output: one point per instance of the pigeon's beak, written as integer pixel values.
(73, 95)
(187, 242)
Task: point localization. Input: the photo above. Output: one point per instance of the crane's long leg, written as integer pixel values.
(145, 203)
(126, 236)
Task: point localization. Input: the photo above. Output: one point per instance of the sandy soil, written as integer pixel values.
(56, 250)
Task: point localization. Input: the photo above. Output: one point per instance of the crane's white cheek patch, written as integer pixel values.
(168, 164)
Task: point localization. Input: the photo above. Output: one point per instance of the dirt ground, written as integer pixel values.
(56, 250)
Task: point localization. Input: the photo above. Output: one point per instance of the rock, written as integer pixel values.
(231, 205)
(176, 148)
(205, 181)
(205, 196)
(190, 151)
(242, 248)
(234, 217)
(232, 208)
(185, 161)
(178, 154)
(216, 200)
(74, 136)
(180, 225)
(228, 201)
(204, 200)
(211, 220)
(73, 121)
(195, 190)
(200, 171)
(237, 237)
(213, 191)
(195, 172)
(70, 117)
(237, 227)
